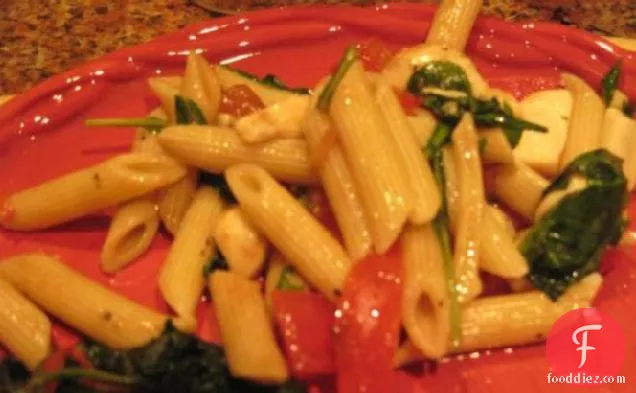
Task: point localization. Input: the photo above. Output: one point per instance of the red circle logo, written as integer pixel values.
(585, 343)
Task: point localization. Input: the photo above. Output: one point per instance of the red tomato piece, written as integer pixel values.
(239, 101)
(305, 321)
(55, 362)
(207, 326)
(367, 325)
(410, 102)
(374, 55)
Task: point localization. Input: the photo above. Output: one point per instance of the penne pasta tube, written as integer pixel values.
(88, 191)
(586, 121)
(174, 200)
(181, 279)
(242, 246)
(619, 137)
(513, 320)
(498, 254)
(165, 91)
(306, 244)
(451, 179)
(131, 231)
(518, 187)
(452, 23)
(214, 149)
(201, 84)
(496, 148)
(470, 211)
(24, 329)
(521, 319)
(426, 198)
(425, 302)
(344, 198)
(94, 310)
(373, 158)
(246, 332)
(423, 124)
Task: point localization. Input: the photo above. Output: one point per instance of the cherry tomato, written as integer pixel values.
(367, 327)
(305, 321)
(239, 101)
(374, 55)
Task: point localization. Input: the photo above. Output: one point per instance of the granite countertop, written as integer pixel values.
(39, 38)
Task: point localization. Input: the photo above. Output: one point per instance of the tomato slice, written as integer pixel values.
(374, 55)
(239, 101)
(305, 321)
(367, 325)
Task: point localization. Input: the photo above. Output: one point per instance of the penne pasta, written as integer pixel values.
(242, 246)
(344, 198)
(214, 149)
(619, 137)
(513, 320)
(498, 254)
(278, 121)
(136, 222)
(24, 329)
(165, 91)
(174, 200)
(131, 231)
(470, 211)
(372, 157)
(308, 246)
(586, 121)
(201, 84)
(518, 187)
(426, 198)
(452, 23)
(247, 334)
(88, 191)
(521, 319)
(425, 302)
(451, 179)
(496, 147)
(423, 124)
(94, 310)
(181, 279)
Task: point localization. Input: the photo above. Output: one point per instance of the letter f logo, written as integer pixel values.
(583, 344)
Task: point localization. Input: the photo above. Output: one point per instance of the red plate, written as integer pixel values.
(41, 136)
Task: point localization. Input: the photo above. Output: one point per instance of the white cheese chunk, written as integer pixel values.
(278, 121)
(542, 151)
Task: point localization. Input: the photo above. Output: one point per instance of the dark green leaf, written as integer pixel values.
(153, 124)
(443, 75)
(441, 135)
(442, 230)
(289, 281)
(568, 241)
(609, 84)
(217, 263)
(324, 100)
(271, 80)
(13, 375)
(218, 182)
(187, 111)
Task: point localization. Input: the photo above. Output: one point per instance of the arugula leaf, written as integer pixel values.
(152, 124)
(187, 111)
(441, 135)
(456, 99)
(218, 182)
(568, 241)
(270, 80)
(217, 263)
(609, 84)
(444, 75)
(289, 280)
(350, 56)
(442, 230)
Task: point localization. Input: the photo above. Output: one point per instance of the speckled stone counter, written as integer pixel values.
(39, 38)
